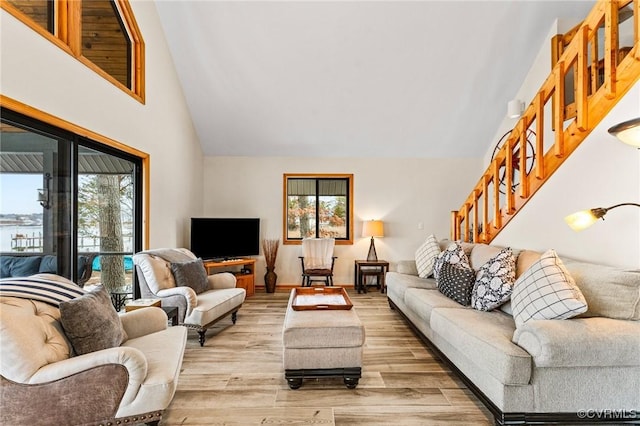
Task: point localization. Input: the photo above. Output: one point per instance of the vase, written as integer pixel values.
(270, 279)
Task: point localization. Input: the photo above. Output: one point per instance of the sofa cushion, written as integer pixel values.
(494, 281)
(426, 256)
(486, 339)
(213, 304)
(422, 302)
(524, 260)
(456, 282)
(481, 254)
(407, 267)
(19, 266)
(91, 323)
(397, 284)
(191, 274)
(609, 291)
(546, 291)
(454, 254)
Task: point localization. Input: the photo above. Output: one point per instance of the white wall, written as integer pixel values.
(401, 192)
(36, 72)
(600, 173)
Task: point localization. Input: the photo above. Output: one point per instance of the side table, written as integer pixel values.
(172, 314)
(372, 268)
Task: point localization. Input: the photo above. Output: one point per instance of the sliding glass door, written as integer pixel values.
(69, 206)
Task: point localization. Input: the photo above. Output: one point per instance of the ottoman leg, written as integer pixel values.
(351, 382)
(294, 383)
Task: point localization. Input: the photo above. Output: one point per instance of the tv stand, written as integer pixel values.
(244, 270)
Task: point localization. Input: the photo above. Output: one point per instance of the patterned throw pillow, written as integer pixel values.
(454, 254)
(91, 323)
(494, 281)
(456, 282)
(546, 291)
(426, 256)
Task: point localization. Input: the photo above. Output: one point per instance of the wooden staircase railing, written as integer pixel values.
(598, 85)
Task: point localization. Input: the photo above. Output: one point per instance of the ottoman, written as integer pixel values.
(322, 343)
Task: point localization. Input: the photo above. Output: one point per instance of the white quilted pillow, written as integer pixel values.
(546, 291)
(426, 256)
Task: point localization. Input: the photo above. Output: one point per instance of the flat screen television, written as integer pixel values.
(225, 238)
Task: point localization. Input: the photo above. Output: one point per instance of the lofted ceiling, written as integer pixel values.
(427, 79)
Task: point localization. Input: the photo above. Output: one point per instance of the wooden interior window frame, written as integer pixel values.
(68, 37)
(285, 179)
(52, 120)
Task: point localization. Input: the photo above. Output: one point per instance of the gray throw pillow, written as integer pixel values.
(91, 323)
(456, 282)
(191, 274)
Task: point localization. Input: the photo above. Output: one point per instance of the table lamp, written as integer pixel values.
(372, 228)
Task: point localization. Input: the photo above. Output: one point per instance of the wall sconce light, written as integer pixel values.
(44, 194)
(585, 218)
(628, 132)
(515, 108)
(372, 228)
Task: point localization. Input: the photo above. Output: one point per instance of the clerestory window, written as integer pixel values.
(102, 34)
(318, 206)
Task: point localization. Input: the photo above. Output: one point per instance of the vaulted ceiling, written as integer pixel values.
(354, 78)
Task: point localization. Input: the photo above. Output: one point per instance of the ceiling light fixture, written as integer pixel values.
(628, 132)
(515, 108)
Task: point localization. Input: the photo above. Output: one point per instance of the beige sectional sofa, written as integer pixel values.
(581, 369)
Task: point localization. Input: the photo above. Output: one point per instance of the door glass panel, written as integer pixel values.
(33, 221)
(106, 220)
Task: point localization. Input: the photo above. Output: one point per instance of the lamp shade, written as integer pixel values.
(373, 228)
(581, 220)
(585, 218)
(628, 132)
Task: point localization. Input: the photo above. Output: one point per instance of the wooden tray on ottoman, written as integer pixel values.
(320, 298)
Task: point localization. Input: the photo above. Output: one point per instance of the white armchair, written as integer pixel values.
(199, 307)
(42, 382)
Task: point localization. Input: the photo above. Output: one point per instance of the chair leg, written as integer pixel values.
(201, 333)
(234, 317)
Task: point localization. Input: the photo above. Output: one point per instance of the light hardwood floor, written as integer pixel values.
(237, 378)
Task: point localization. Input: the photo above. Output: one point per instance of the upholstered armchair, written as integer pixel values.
(178, 278)
(45, 381)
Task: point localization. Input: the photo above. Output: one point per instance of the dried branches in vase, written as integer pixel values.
(270, 249)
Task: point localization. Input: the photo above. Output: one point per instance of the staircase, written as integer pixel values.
(590, 74)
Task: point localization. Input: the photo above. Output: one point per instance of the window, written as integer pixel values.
(41, 11)
(318, 206)
(105, 41)
(102, 34)
(70, 205)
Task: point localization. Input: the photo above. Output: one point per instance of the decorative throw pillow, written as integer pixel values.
(494, 281)
(454, 254)
(91, 323)
(456, 282)
(426, 256)
(546, 291)
(191, 274)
